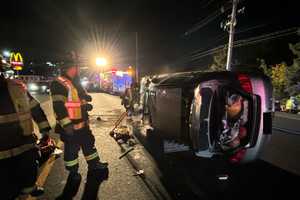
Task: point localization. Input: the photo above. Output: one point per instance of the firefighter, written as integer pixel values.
(70, 104)
(127, 100)
(18, 150)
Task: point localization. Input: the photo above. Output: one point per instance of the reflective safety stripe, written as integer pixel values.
(33, 103)
(28, 190)
(92, 156)
(79, 125)
(65, 121)
(71, 163)
(59, 98)
(43, 125)
(14, 117)
(16, 151)
(73, 104)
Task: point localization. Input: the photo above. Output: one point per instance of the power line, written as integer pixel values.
(222, 37)
(249, 41)
(207, 20)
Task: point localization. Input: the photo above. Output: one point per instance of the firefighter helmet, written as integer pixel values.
(70, 61)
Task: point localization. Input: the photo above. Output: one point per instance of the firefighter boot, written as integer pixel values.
(98, 166)
(99, 169)
(72, 186)
(38, 191)
(34, 191)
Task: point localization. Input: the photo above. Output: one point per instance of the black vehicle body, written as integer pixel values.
(187, 110)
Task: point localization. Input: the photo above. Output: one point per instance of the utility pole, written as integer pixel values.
(136, 58)
(231, 34)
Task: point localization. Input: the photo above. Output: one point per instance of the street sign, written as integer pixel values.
(16, 60)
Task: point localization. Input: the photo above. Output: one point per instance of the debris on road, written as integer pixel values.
(140, 173)
(121, 133)
(126, 152)
(57, 152)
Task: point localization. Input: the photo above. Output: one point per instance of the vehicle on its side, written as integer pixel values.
(225, 115)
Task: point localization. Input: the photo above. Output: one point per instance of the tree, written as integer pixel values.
(294, 71)
(279, 79)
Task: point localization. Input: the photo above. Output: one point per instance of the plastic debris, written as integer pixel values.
(139, 173)
(57, 152)
(123, 133)
(126, 152)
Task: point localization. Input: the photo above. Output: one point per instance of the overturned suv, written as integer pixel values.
(226, 114)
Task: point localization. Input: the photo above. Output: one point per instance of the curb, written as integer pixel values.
(140, 159)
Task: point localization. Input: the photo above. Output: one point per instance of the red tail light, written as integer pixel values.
(238, 156)
(245, 82)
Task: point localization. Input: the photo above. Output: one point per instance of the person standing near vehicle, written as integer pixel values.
(127, 100)
(288, 105)
(70, 104)
(18, 151)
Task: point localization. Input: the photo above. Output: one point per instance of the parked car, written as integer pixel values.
(39, 87)
(225, 115)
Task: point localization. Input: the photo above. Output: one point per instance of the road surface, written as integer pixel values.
(121, 183)
(274, 175)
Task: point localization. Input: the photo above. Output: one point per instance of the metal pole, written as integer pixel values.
(231, 34)
(136, 58)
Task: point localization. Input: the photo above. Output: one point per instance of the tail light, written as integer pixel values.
(238, 156)
(245, 82)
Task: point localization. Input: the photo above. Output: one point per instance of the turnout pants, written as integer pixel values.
(82, 139)
(18, 174)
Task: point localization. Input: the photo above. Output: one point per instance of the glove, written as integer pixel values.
(88, 98)
(88, 107)
(44, 135)
(68, 130)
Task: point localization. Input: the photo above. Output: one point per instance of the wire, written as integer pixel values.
(207, 20)
(248, 41)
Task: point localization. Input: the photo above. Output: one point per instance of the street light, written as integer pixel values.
(101, 62)
(6, 53)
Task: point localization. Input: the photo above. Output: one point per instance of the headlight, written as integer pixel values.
(44, 87)
(84, 83)
(33, 87)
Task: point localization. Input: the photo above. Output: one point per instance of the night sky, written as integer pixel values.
(47, 29)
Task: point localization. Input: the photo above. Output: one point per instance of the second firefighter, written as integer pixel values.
(70, 104)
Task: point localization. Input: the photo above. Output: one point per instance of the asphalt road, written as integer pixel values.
(121, 183)
(276, 174)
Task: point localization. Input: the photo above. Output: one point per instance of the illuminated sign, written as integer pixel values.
(16, 60)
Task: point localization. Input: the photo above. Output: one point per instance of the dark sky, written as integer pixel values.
(47, 29)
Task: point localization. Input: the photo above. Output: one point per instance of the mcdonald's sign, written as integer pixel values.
(16, 60)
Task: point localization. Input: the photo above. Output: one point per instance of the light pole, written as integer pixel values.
(100, 63)
(136, 58)
(231, 34)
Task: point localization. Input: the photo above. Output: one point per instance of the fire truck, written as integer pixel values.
(113, 82)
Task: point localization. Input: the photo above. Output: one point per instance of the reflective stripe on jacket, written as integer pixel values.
(16, 126)
(288, 105)
(20, 100)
